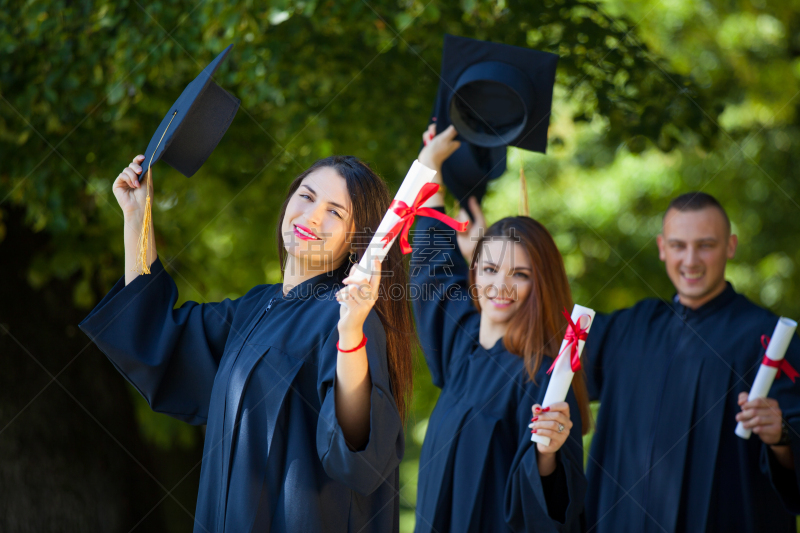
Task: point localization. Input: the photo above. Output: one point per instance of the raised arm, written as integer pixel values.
(447, 321)
(131, 193)
(169, 355)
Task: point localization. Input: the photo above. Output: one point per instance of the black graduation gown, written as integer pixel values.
(259, 371)
(664, 455)
(478, 469)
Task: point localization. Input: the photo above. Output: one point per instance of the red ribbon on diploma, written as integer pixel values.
(782, 365)
(407, 215)
(574, 334)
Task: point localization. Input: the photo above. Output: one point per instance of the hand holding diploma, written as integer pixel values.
(757, 410)
(414, 191)
(762, 416)
(554, 424)
(567, 362)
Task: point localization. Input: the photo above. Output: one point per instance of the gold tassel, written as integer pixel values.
(142, 267)
(144, 239)
(523, 194)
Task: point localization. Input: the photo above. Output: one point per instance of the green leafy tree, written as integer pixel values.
(84, 85)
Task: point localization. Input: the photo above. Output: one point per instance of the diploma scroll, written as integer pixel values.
(776, 350)
(418, 176)
(562, 374)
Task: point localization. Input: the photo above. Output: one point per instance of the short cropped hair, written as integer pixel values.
(696, 201)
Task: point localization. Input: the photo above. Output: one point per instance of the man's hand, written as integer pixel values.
(765, 418)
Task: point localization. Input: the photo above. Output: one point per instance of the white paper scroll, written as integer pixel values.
(778, 344)
(562, 375)
(418, 175)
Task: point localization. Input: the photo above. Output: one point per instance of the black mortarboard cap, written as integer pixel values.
(496, 95)
(467, 170)
(194, 124)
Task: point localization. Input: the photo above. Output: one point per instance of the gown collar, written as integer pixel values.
(712, 306)
(323, 284)
(497, 347)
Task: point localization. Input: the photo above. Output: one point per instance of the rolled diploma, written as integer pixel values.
(561, 377)
(418, 175)
(776, 350)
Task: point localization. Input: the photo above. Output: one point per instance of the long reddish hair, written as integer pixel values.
(370, 198)
(538, 328)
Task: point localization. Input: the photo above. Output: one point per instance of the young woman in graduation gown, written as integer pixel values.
(489, 353)
(303, 399)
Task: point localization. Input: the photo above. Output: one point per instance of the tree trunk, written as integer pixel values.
(71, 456)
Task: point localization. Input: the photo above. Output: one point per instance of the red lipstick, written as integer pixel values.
(303, 233)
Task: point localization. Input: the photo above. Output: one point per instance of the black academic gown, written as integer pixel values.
(478, 469)
(259, 371)
(664, 457)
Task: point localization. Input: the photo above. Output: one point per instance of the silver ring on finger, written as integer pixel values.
(560, 428)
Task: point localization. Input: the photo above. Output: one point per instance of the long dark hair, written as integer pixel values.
(370, 199)
(538, 327)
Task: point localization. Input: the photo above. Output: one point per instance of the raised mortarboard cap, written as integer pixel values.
(194, 124)
(496, 95)
(190, 131)
(468, 169)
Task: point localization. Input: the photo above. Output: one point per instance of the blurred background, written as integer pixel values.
(652, 99)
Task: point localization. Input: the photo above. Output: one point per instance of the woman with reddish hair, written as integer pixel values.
(489, 332)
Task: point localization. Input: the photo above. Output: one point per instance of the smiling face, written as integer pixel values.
(695, 246)
(503, 277)
(317, 220)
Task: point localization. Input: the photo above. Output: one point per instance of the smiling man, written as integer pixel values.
(672, 378)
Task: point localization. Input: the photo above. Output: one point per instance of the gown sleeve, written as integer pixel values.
(557, 500)
(447, 320)
(366, 469)
(169, 355)
(786, 481)
(556, 493)
(593, 352)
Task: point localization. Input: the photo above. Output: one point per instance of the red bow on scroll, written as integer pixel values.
(407, 215)
(782, 365)
(574, 334)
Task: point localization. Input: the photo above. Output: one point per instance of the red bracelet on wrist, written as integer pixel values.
(360, 345)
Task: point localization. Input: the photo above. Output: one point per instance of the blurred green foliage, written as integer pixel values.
(652, 99)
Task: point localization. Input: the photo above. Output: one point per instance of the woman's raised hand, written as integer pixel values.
(438, 147)
(131, 195)
(130, 192)
(467, 240)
